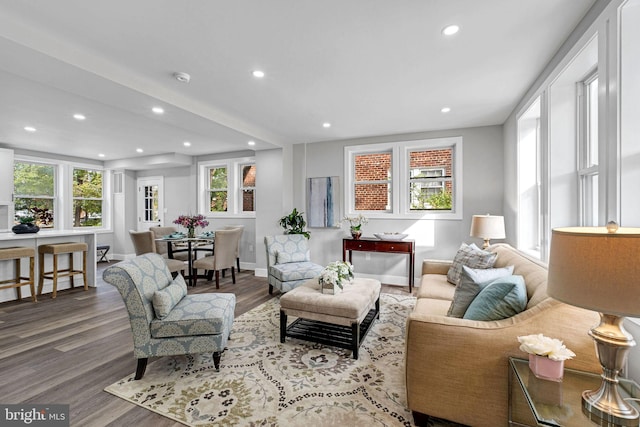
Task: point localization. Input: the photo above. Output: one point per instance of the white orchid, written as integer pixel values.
(552, 348)
(335, 273)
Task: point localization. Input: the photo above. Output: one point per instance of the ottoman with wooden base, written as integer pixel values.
(340, 320)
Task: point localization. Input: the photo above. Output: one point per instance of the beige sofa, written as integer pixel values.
(457, 369)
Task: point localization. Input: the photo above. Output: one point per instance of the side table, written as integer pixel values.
(537, 402)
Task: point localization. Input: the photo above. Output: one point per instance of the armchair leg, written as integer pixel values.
(216, 360)
(142, 366)
(420, 419)
(233, 275)
(238, 264)
(217, 279)
(270, 289)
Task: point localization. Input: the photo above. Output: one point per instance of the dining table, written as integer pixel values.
(191, 245)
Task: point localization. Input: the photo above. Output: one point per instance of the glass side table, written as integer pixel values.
(536, 402)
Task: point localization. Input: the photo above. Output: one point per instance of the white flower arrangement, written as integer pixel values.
(336, 273)
(543, 346)
(355, 222)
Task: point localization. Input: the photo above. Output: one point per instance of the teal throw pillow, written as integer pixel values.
(471, 256)
(500, 299)
(164, 300)
(472, 281)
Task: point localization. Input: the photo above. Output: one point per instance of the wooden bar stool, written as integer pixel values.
(16, 253)
(56, 249)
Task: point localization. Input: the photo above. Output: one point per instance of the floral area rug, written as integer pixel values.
(265, 383)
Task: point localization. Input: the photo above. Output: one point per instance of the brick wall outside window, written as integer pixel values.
(372, 167)
(248, 195)
(434, 159)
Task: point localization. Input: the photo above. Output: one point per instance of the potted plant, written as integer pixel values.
(355, 224)
(26, 225)
(294, 223)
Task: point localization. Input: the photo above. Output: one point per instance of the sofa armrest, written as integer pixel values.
(447, 358)
(436, 266)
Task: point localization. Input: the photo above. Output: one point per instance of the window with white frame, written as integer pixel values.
(227, 187)
(88, 202)
(409, 178)
(588, 149)
(35, 192)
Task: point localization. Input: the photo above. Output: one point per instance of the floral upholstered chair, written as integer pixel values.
(165, 321)
(289, 262)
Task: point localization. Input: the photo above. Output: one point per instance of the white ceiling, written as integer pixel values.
(370, 67)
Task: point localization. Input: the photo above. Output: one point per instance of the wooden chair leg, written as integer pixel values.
(41, 273)
(71, 270)
(84, 270)
(217, 279)
(55, 276)
(270, 289)
(32, 279)
(216, 360)
(17, 278)
(142, 366)
(233, 275)
(238, 264)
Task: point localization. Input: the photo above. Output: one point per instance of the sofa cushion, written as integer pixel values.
(500, 299)
(471, 256)
(295, 271)
(165, 299)
(471, 283)
(436, 286)
(199, 314)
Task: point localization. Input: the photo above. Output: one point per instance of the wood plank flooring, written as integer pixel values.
(69, 349)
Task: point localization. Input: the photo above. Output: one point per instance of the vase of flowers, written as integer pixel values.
(335, 276)
(190, 222)
(546, 356)
(355, 224)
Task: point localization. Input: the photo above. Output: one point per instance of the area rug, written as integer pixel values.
(265, 383)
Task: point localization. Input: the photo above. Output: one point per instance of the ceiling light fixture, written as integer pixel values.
(252, 143)
(79, 116)
(326, 125)
(186, 144)
(29, 128)
(100, 155)
(258, 74)
(445, 109)
(158, 110)
(450, 30)
(139, 150)
(181, 77)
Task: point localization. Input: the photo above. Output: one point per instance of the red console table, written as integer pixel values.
(377, 245)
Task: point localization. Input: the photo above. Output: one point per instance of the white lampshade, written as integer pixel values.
(593, 268)
(487, 226)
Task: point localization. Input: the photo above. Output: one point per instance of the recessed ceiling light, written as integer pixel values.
(101, 155)
(186, 144)
(445, 109)
(258, 73)
(182, 77)
(252, 143)
(139, 150)
(158, 110)
(79, 116)
(29, 128)
(450, 30)
(326, 125)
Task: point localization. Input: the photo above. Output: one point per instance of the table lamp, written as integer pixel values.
(487, 227)
(598, 268)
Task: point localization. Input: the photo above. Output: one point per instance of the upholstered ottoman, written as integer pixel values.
(340, 320)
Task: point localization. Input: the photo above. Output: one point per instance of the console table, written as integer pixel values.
(387, 246)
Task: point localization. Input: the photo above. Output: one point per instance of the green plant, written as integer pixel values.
(294, 223)
(27, 219)
(441, 200)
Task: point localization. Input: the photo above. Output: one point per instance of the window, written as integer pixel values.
(228, 187)
(409, 178)
(35, 192)
(588, 150)
(87, 198)
(218, 189)
(248, 187)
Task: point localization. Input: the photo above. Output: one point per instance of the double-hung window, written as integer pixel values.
(88, 201)
(414, 179)
(588, 149)
(227, 187)
(35, 192)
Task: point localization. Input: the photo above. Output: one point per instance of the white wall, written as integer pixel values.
(483, 191)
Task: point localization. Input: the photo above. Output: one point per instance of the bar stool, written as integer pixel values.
(16, 253)
(56, 249)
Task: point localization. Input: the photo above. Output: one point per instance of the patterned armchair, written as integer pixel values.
(288, 262)
(165, 321)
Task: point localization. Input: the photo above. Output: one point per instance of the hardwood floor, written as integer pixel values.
(68, 349)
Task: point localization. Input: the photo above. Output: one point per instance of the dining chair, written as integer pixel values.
(224, 255)
(162, 247)
(231, 227)
(144, 242)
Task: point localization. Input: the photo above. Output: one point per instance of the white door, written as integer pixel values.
(150, 202)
